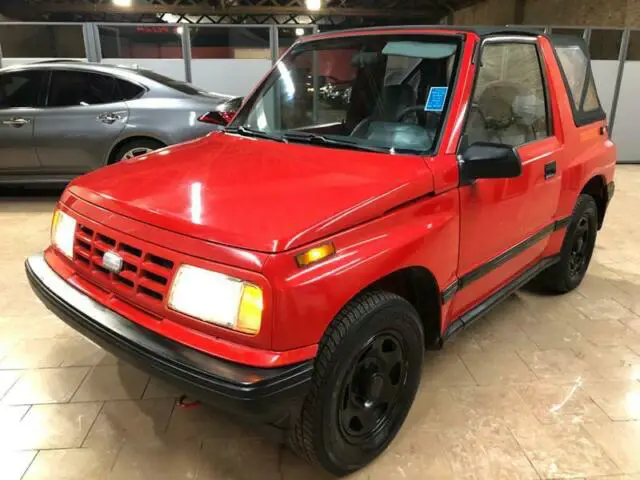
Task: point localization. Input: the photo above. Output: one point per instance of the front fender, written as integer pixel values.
(305, 300)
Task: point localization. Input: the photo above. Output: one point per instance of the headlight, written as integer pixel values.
(63, 229)
(217, 298)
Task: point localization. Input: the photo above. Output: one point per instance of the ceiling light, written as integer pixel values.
(299, 32)
(179, 30)
(122, 3)
(313, 5)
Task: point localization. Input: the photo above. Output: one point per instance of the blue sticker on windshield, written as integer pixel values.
(436, 99)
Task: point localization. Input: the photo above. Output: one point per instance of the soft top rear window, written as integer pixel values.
(575, 65)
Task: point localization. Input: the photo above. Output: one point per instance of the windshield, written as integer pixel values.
(384, 93)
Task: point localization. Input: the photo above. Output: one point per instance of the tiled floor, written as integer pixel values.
(543, 387)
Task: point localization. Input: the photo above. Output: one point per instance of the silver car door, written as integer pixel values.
(19, 91)
(83, 117)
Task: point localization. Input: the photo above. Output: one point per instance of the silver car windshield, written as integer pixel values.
(385, 93)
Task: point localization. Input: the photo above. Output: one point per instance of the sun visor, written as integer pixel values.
(432, 51)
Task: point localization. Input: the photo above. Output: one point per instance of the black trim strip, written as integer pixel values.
(448, 292)
(503, 258)
(485, 306)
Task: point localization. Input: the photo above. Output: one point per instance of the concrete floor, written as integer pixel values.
(543, 387)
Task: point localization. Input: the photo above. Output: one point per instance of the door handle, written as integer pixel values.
(16, 122)
(549, 170)
(108, 118)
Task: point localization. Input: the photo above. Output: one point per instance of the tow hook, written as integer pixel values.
(185, 402)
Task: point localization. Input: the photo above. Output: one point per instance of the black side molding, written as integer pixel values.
(479, 310)
(501, 259)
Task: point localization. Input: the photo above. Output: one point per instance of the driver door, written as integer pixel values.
(19, 91)
(506, 223)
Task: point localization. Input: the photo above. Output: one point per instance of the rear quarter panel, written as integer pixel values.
(167, 120)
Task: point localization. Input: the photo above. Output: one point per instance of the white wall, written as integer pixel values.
(626, 133)
(605, 73)
(170, 67)
(228, 76)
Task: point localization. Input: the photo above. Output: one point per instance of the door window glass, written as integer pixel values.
(509, 101)
(19, 89)
(128, 90)
(75, 88)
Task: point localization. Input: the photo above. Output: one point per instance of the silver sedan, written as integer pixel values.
(62, 119)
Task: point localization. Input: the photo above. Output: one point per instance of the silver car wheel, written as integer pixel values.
(136, 152)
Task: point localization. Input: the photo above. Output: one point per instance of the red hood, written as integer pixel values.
(256, 194)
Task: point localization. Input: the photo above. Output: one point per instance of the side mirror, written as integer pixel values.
(490, 160)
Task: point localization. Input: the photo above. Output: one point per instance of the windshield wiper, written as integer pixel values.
(250, 132)
(316, 139)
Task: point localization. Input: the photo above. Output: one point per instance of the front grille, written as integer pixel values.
(144, 275)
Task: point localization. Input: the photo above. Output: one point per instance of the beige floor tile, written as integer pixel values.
(498, 368)
(112, 382)
(496, 334)
(620, 400)
(71, 464)
(240, 459)
(444, 369)
(559, 366)
(7, 379)
(621, 442)
(10, 417)
(49, 385)
(613, 362)
(81, 352)
(606, 332)
(159, 389)
(603, 309)
(55, 426)
(187, 424)
(564, 451)
(13, 464)
(485, 453)
(36, 353)
(489, 407)
(140, 421)
(552, 335)
(434, 409)
(294, 468)
(158, 462)
(565, 404)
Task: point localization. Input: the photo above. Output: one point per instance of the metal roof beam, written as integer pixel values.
(109, 8)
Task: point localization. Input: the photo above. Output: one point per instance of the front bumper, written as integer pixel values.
(265, 395)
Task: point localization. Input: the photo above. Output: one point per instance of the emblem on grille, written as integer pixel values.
(112, 262)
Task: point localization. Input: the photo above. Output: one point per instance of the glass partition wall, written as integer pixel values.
(231, 59)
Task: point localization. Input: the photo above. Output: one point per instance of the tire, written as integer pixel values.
(366, 377)
(143, 145)
(577, 249)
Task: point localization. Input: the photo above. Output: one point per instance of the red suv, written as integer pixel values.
(293, 268)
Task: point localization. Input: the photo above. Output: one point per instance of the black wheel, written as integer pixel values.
(576, 250)
(135, 148)
(366, 376)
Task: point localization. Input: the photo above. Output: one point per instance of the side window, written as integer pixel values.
(20, 89)
(576, 70)
(75, 88)
(128, 90)
(509, 100)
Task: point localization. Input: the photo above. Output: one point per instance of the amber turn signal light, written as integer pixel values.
(315, 254)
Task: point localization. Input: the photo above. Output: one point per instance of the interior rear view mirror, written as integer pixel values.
(490, 160)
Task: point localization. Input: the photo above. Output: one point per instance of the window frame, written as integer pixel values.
(477, 60)
(46, 97)
(42, 87)
(580, 118)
